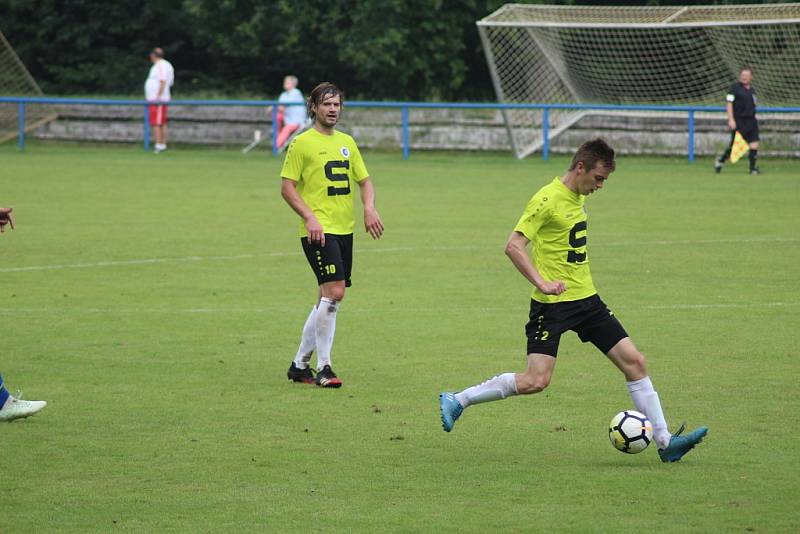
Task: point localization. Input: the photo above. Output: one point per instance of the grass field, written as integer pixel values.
(156, 302)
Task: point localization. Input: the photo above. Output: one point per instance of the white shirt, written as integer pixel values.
(161, 71)
(293, 114)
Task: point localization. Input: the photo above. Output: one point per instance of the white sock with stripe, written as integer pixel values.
(646, 401)
(325, 322)
(496, 388)
(308, 341)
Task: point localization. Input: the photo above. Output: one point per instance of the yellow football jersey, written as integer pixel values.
(324, 167)
(555, 222)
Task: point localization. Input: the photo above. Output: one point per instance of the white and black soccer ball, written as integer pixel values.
(630, 431)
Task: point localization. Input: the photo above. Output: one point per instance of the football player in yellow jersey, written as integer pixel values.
(317, 182)
(564, 298)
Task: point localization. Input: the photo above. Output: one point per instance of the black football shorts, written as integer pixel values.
(332, 262)
(589, 317)
(748, 127)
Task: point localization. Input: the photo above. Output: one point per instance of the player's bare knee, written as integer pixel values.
(539, 385)
(528, 385)
(334, 291)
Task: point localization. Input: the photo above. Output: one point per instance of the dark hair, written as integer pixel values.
(158, 52)
(747, 68)
(320, 93)
(592, 152)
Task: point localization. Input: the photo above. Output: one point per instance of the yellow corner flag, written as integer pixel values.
(740, 147)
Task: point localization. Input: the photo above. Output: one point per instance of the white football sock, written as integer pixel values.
(325, 322)
(646, 401)
(496, 388)
(308, 342)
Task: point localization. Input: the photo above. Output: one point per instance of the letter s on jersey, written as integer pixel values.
(574, 256)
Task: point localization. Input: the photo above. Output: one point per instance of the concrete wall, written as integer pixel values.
(440, 129)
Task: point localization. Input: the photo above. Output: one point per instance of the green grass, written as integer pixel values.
(169, 407)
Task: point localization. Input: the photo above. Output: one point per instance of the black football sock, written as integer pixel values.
(753, 158)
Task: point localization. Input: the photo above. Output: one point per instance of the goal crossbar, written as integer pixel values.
(638, 25)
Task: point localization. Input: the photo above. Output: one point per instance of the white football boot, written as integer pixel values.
(16, 408)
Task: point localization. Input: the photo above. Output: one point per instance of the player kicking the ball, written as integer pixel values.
(320, 166)
(564, 298)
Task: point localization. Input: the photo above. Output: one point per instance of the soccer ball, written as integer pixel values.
(630, 431)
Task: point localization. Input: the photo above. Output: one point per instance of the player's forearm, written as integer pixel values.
(292, 197)
(519, 257)
(729, 110)
(161, 85)
(367, 194)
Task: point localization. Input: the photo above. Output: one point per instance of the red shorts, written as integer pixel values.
(158, 114)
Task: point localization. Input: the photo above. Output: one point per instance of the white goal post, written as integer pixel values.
(682, 55)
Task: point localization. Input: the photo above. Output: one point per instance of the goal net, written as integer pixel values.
(634, 55)
(15, 80)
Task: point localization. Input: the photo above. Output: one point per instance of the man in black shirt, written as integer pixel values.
(741, 108)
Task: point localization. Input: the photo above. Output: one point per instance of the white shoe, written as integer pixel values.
(18, 408)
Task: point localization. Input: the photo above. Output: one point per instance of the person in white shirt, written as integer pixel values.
(290, 118)
(157, 92)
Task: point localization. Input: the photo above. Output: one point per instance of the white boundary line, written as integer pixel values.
(712, 306)
(702, 241)
(282, 309)
(155, 261)
(149, 261)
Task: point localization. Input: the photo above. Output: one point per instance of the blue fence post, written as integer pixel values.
(146, 128)
(21, 121)
(275, 130)
(406, 147)
(691, 136)
(545, 133)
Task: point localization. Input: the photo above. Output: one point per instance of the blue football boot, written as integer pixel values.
(450, 410)
(680, 445)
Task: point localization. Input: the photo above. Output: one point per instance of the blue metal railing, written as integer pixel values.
(404, 108)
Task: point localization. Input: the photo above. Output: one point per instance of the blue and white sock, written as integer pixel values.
(496, 388)
(4, 395)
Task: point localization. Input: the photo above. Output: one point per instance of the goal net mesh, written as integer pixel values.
(635, 55)
(15, 80)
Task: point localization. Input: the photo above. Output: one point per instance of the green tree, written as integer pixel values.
(373, 49)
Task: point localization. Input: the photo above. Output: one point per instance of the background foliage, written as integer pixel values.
(374, 49)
